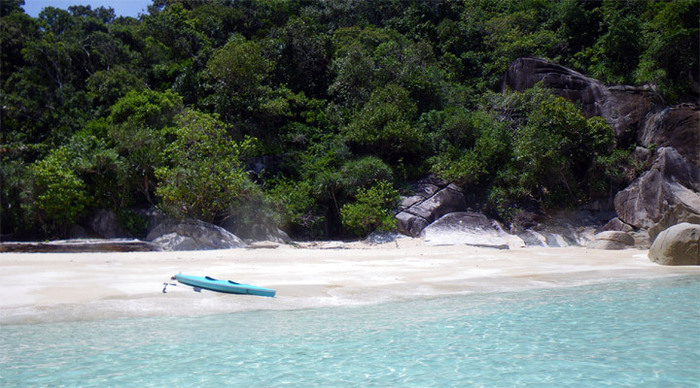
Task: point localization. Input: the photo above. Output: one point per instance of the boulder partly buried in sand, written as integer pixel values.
(677, 245)
(469, 228)
(612, 240)
(192, 235)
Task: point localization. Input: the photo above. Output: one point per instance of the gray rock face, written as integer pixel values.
(259, 232)
(617, 225)
(533, 238)
(432, 199)
(676, 214)
(525, 72)
(410, 224)
(623, 107)
(612, 240)
(469, 228)
(677, 245)
(671, 181)
(556, 237)
(642, 156)
(677, 127)
(567, 228)
(191, 235)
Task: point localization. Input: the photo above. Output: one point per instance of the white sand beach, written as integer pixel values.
(53, 287)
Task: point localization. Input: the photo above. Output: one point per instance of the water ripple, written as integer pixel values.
(635, 333)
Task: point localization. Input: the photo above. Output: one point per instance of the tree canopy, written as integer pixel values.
(314, 115)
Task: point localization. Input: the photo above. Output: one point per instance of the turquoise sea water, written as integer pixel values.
(632, 333)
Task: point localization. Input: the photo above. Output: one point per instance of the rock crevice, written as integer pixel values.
(432, 198)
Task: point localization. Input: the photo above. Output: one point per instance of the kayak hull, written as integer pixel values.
(227, 286)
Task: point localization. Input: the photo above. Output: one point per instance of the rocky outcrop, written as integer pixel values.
(677, 127)
(667, 148)
(525, 72)
(469, 228)
(677, 245)
(189, 235)
(612, 240)
(257, 232)
(617, 225)
(623, 107)
(671, 183)
(543, 236)
(431, 200)
(570, 228)
(437, 212)
(676, 214)
(566, 228)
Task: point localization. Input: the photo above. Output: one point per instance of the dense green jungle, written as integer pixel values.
(316, 116)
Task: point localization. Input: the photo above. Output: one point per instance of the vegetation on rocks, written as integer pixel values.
(347, 102)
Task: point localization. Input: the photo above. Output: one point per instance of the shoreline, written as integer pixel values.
(60, 287)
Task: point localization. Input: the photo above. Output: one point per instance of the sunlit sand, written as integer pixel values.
(50, 287)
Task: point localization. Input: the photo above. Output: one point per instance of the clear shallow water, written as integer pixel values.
(635, 333)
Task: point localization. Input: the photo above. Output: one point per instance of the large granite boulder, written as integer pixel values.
(671, 181)
(257, 232)
(557, 236)
(623, 107)
(567, 228)
(626, 108)
(191, 235)
(525, 72)
(617, 225)
(469, 228)
(612, 240)
(431, 200)
(410, 224)
(678, 127)
(676, 214)
(677, 245)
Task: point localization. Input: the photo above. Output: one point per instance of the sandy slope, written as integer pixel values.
(41, 287)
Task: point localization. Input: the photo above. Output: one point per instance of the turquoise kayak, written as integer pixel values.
(229, 286)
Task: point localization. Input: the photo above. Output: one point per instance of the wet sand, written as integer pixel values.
(55, 287)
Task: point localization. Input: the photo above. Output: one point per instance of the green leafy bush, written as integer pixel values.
(473, 144)
(384, 126)
(203, 176)
(531, 146)
(296, 206)
(372, 210)
(135, 128)
(60, 196)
